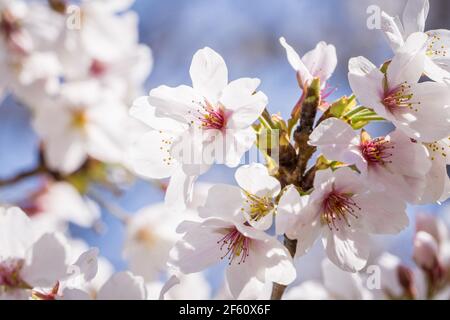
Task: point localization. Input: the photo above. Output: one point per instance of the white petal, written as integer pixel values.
(333, 137)
(255, 179)
(237, 143)
(430, 120)
(143, 111)
(289, 205)
(414, 16)
(15, 224)
(179, 191)
(243, 102)
(45, 262)
(393, 30)
(321, 61)
(180, 103)
(123, 286)
(75, 294)
(200, 247)
(408, 63)
(437, 62)
(366, 82)
(87, 264)
(150, 155)
(342, 284)
(349, 250)
(223, 201)
(381, 213)
(209, 74)
(296, 62)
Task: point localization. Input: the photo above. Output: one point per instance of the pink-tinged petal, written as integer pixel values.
(255, 179)
(347, 249)
(200, 247)
(45, 263)
(144, 112)
(341, 284)
(150, 155)
(366, 82)
(209, 74)
(333, 137)
(426, 251)
(123, 286)
(407, 151)
(223, 201)
(243, 103)
(429, 118)
(408, 63)
(381, 213)
(393, 30)
(180, 103)
(414, 16)
(321, 61)
(296, 63)
(179, 191)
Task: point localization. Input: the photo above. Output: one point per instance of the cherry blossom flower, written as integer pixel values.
(254, 258)
(254, 199)
(82, 130)
(421, 110)
(33, 261)
(437, 60)
(27, 34)
(342, 211)
(150, 235)
(317, 63)
(101, 44)
(189, 122)
(394, 162)
(59, 203)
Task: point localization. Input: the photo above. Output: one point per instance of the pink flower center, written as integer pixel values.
(338, 207)
(235, 245)
(209, 117)
(10, 273)
(8, 24)
(400, 97)
(377, 151)
(97, 68)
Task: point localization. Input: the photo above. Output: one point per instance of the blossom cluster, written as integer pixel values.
(322, 175)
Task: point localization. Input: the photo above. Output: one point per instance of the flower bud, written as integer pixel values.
(425, 250)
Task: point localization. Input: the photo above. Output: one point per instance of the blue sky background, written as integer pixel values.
(246, 34)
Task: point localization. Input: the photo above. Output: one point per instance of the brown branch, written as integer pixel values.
(297, 176)
(21, 176)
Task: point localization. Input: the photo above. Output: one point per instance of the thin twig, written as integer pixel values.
(110, 207)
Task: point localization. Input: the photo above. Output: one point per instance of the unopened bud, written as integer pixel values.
(406, 280)
(425, 250)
